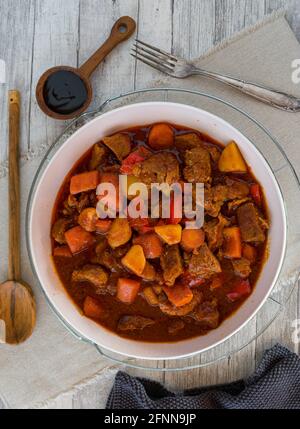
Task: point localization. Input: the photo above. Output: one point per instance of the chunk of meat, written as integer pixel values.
(98, 155)
(207, 314)
(249, 223)
(233, 205)
(158, 168)
(58, 230)
(214, 231)
(214, 152)
(197, 165)
(215, 196)
(187, 141)
(175, 325)
(241, 267)
(171, 310)
(88, 218)
(92, 274)
(204, 263)
(171, 264)
(132, 323)
(119, 144)
(108, 260)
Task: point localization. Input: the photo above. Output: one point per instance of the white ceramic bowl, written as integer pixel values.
(64, 159)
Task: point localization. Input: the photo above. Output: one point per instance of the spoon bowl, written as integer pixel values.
(64, 92)
(17, 311)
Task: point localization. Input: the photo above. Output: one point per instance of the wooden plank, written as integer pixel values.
(116, 74)
(55, 43)
(16, 44)
(155, 27)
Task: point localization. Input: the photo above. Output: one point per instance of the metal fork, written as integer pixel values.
(180, 68)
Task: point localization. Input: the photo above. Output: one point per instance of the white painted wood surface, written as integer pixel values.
(37, 34)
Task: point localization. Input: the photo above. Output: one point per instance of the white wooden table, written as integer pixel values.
(38, 34)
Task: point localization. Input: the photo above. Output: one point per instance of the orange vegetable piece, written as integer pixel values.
(78, 239)
(84, 182)
(93, 308)
(192, 239)
(119, 233)
(135, 259)
(170, 234)
(127, 290)
(249, 252)
(151, 244)
(161, 136)
(102, 225)
(232, 246)
(179, 294)
(62, 251)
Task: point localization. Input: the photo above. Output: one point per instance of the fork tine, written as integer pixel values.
(172, 57)
(163, 58)
(151, 64)
(154, 59)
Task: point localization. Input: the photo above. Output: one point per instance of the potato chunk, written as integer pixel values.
(119, 233)
(170, 234)
(231, 160)
(135, 260)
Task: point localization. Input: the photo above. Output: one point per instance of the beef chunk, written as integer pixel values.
(158, 168)
(92, 274)
(108, 260)
(233, 205)
(58, 230)
(236, 189)
(119, 144)
(175, 325)
(99, 153)
(197, 165)
(214, 231)
(132, 323)
(249, 223)
(171, 310)
(187, 141)
(204, 264)
(241, 267)
(207, 314)
(215, 196)
(214, 152)
(171, 264)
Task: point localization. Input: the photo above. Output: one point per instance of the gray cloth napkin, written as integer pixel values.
(274, 385)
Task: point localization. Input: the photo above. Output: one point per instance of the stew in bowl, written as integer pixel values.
(154, 279)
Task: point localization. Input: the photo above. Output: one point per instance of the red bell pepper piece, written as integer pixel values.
(241, 288)
(255, 193)
(134, 158)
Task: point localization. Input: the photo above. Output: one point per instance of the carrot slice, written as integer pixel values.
(127, 290)
(179, 294)
(161, 136)
(78, 239)
(249, 252)
(232, 246)
(84, 182)
(93, 308)
(62, 251)
(192, 239)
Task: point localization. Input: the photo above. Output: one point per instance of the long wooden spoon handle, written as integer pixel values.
(14, 186)
(122, 30)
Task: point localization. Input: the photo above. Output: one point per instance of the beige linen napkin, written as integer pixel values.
(53, 368)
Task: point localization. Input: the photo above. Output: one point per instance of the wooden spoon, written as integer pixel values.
(64, 92)
(17, 305)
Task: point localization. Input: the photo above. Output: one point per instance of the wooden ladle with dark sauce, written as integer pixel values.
(64, 92)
